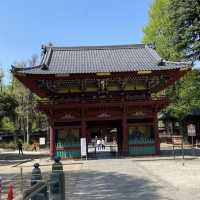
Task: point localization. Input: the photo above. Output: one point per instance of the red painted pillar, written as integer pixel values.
(83, 129)
(83, 123)
(52, 140)
(156, 134)
(125, 134)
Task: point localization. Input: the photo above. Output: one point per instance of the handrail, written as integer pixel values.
(28, 193)
(106, 100)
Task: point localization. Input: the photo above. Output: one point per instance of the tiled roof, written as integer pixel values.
(94, 59)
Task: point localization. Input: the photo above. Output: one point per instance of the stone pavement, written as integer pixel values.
(144, 179)
(10, 157)
(11, 174)
(147, 178)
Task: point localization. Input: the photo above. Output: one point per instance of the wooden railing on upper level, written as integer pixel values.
(102, 99)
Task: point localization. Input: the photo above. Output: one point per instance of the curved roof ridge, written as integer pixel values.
(119, 46)
(181, 62)
(93, 59)
(152, 52)
(14, 68)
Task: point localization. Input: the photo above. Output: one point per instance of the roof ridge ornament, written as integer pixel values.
(47, 58)
(151, 45)
(152, 51)
(161, 62)
(44, 66)
(44, 48)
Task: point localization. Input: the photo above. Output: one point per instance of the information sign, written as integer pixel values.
(177, 140)
(83, 147)
(191, 129)
(42, 141)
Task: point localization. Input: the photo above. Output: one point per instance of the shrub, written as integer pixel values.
(13, 146)
(8, 145)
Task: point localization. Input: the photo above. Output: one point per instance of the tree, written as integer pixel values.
(7, 107)
(185, 95)
(28, 117)
(1, 80)
(174, 29)
(158, 30)
(185, 25)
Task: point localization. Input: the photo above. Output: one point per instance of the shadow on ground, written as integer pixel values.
(14, 158)
(94, 184)
(111, 186)
(178, 152)
(102, 155)
(15, 180)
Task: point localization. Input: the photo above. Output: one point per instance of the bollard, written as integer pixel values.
(10, 192)
(57, 185)
(21, 179)
(37, 178)
(36, 174)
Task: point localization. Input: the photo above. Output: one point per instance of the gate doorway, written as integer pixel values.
(104, 139)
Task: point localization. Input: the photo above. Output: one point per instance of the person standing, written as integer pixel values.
(34, 147)
(98, 144)
(20, 148)
(106, 139)
(95, 139)
(103, 144)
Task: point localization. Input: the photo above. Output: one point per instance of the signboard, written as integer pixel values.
(42, 141)
(177, 140)
(191, 129)
(83, 147)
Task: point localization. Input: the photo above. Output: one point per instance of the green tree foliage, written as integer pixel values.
(185, 25)
(158, 30)
(185, 95)
(49, 44)
(8, 125)
(27, 112)
(8, 105)
(174, 29)
(18, 106)
(1, 80)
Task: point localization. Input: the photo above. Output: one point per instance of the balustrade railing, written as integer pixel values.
(104, 100)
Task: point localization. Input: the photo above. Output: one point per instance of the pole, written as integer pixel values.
(183, 152)
(27, 129)
(192, 146)
(21, 179)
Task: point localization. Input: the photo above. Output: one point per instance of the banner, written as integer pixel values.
(83, 147)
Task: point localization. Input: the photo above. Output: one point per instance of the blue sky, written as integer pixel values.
(27, 24)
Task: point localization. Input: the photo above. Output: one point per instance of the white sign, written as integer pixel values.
(191, 130)
(177, 140)
(83, 147)
(42, 141)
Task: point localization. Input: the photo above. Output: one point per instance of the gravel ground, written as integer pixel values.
(147, 178)
(151, 179)
(11, 174)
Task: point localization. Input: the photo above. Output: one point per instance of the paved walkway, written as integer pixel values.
(150, 179)
(11, 174)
